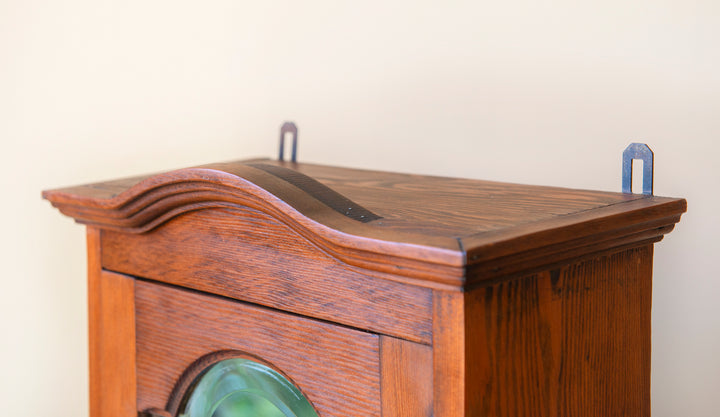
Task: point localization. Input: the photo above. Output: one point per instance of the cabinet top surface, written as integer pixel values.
(458, 221)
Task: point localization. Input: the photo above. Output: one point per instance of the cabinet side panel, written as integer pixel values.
(111, 301)
(406, 378)
(573, 341)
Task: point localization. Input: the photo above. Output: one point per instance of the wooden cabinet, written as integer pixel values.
(372, 293)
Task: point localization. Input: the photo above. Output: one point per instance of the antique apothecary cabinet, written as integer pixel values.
(271, 288)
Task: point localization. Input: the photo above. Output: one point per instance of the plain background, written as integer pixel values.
(531, 92)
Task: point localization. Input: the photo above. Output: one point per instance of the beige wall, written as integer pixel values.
(530, 92)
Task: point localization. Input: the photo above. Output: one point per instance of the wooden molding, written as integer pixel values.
(375, 222)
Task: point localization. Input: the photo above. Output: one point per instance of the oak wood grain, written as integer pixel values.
(406, 378)
(449, 356)
(249, 256)
(454, 207)
(375, 293)
(336, 368)
(573, 341)
(112, 338)
(429, 227)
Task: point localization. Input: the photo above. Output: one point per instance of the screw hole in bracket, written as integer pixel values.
(637, 151)
(288, 127)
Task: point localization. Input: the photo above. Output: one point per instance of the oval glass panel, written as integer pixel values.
(244, 388)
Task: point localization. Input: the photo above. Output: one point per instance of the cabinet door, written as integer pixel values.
(181, 333)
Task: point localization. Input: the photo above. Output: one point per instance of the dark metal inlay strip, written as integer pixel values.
(323, 193)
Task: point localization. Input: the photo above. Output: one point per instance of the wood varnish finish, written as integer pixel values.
(435, 297)
(566, 342)
(335, 367)
(280, 274)
(431, 228)
(111, 314)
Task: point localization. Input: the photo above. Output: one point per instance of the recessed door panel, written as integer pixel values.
(334, 367)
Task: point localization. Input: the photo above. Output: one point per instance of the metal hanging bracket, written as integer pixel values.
(637, 151)
(288, 127)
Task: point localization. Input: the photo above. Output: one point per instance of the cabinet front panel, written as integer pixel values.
(337, 368)
(247, 255)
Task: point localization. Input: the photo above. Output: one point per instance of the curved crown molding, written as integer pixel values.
(410, 251)
(154, 200)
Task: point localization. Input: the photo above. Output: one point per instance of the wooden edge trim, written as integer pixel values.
(478, 279)
(449, 353)
(528, 262)
(536, 245)
(406, 378)
(94, 269)
(618, 219)
(112, 343)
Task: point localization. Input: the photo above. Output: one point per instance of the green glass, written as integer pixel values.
(243, 388)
